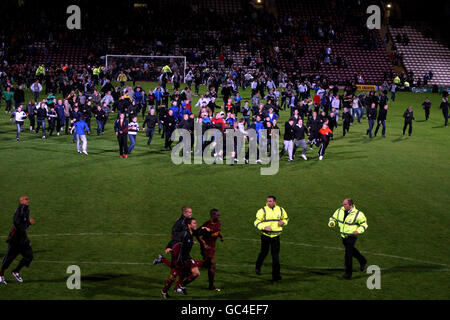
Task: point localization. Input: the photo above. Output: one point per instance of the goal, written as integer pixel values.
(145, 68)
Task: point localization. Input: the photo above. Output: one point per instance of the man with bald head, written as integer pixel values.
(352, 222)
(18, 242)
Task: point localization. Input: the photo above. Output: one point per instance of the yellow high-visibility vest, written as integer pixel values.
(267, 216)
(355, 221)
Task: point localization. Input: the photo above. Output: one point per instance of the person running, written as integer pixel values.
(133, 129)
(150, 121)
(347, 120)
(207, 236)
(299, 138)
(182, 261)
(19, 117)
(288, 138)
(18, 242)
(325, 134)
(80, 127)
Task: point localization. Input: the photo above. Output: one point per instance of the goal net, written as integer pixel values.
(145, 68)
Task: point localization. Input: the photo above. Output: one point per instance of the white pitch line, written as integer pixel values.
(218, 264)
(237, 239)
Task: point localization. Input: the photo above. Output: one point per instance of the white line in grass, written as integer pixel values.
(218, 264)
(231, 238)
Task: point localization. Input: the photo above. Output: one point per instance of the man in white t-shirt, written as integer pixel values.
(19, 116)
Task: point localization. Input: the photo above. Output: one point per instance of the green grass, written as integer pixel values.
(113, 216)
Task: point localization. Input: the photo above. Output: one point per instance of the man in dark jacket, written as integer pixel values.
(347, 121)
(100, 117)
(382, 114)
(150, 122)
(426, 105)
(371, 116)
(182, 262)
(444, 107)
(288, 139)
(18, 242)
(169, 127)
(313, 125)
(300, 131)
(409, 117)
(121, 129)
(41, 117)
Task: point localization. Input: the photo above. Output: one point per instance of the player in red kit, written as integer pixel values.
(207, 236)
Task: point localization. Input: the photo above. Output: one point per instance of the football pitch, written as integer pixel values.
(112, 216)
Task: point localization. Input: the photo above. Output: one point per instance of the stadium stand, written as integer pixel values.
(422, 55)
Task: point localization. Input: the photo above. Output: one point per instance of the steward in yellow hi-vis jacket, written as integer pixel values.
(270, 220)
(351, 222)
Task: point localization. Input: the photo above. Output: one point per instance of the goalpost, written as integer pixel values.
(149, 66)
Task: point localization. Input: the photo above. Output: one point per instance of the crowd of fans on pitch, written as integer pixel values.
(168, 106)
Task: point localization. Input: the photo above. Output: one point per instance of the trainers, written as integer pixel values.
(79, 151)
(2, 280)
(43, 137)
(121, 156)
(158, 260)
(165, 295)
(125, 156)
(321, 157)
(85, 152)
(258, 271)
(304, 157)
(17, 139)
(17, 276)
(57, 134)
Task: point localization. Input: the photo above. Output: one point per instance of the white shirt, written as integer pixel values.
(36, 87)
(336, 103)
(19, 116)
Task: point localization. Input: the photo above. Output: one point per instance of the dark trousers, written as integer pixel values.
(427, 113)
(99, 126)
(369, 131)
(168, 141)
(150, 132)
(274, 245)
(350, 253)
(382, 123)
(346, 128)
(407, 123)
(323, 146)
(67, 125)
(32, 122)
(12, 253)
(59, 125)
(123, 143)
(445, 114)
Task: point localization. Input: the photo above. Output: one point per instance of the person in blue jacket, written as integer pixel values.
(80, 128)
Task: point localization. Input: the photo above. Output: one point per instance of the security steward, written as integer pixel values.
(18, 242)
(351, 222)
(270, 220)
